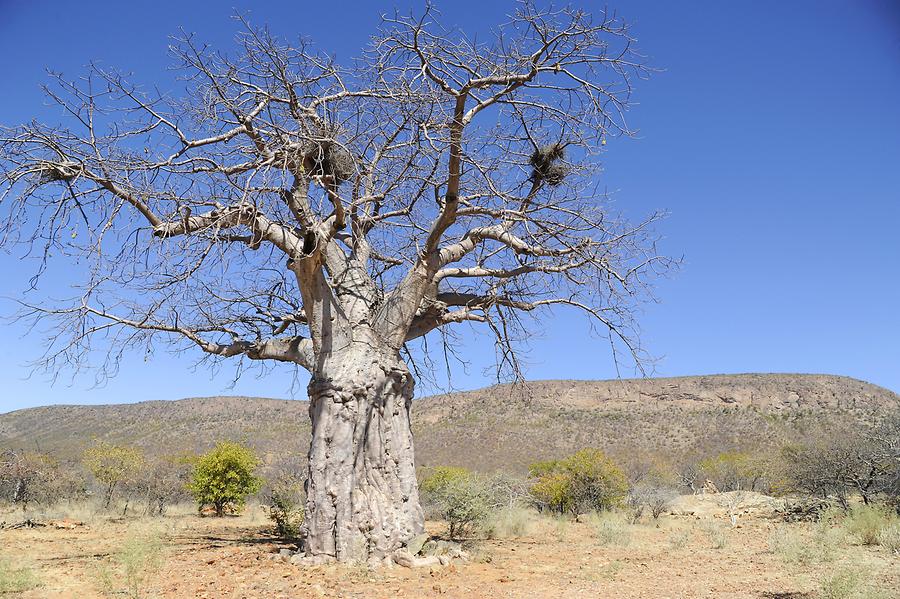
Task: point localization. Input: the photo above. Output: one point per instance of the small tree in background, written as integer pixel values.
(225, 476)
(164, 480)
(862, 461)
(113, 465)
(735, 471)
(586, 480)
(24, 477)
(459, 497)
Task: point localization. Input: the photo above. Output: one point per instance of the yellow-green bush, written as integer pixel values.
(734, 470)
(587, 480)
(113, 465)
(225, 476)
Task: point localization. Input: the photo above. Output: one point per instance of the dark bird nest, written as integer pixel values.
(58, 171)
(329, 158)
(548, 166)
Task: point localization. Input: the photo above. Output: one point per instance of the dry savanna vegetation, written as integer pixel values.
(812, 516)
(341, 221)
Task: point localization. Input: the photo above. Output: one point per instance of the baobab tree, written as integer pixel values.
(284, 207)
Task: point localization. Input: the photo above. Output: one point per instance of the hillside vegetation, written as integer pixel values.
(501, 427)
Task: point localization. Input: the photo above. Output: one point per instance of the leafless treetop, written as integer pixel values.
(284, 202)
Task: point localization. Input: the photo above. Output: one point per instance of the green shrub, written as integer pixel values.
(440, 477)
(733, 471)
(585, 481)
(225, 476)
(459, 497)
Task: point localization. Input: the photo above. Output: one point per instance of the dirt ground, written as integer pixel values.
(693, 553)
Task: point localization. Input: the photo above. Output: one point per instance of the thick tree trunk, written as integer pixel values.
(362, 497)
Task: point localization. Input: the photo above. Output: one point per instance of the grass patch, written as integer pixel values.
(560, 527)
(889, 537)
(865, 522)
(16, 579)
(509, 523)
(679, 539)
(134, 564)
(849, 583)
(716, 534)
(799, 549)
(610, 528)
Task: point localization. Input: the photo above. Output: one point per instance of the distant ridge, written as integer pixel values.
(498, 427)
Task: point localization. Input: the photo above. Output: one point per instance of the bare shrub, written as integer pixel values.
(161, 482)
(26, 477)
(652, 498)
(855, 460)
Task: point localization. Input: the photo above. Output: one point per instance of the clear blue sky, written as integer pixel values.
(772, 137)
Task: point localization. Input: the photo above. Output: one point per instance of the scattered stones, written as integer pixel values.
(407, 560)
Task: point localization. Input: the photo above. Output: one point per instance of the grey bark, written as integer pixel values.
(362, 496)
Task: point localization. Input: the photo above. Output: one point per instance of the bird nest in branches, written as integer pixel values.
(329, 159)
(547, 163)
(58, 171)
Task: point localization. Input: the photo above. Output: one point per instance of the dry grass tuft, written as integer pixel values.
(14, 580)
(611, 528)
(864, 522)
(135, 563)
(509, 523)
(716, 534)
(889, 538)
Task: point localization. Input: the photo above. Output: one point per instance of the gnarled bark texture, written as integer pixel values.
(362, 496)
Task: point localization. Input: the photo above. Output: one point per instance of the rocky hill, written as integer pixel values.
(500, 427)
